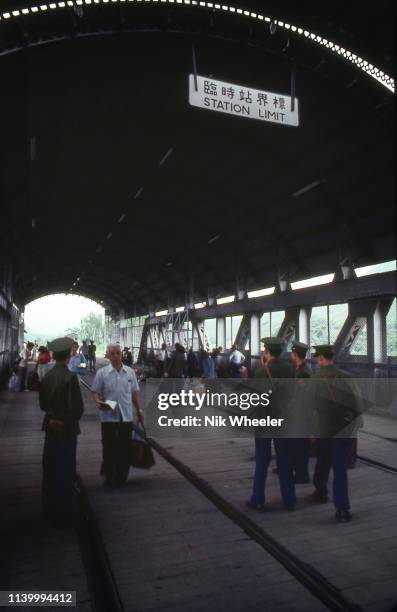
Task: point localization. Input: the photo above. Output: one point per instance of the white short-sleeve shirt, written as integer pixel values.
(236, 357)
(117, 386)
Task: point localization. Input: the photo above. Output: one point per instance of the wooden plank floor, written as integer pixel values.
(171, 549)
(33, 555)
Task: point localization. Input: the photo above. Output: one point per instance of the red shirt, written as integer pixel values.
(44, 358)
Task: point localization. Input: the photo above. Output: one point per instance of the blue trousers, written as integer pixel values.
(235, 370)
(263, 455)
(59, 475)
(335, 453)
(300, 458)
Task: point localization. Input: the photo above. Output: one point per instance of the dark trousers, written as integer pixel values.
(91, 363)
(335, 453)
(22, 375)
(160, 369)
(59, 497)
(116, 442)
(300, 458)
(263, 455)
(235, 370)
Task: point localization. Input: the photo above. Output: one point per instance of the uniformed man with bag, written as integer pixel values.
(60, 398)
(338, 413)
(301, 407)
(274, 370)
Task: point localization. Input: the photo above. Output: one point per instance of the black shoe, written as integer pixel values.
(257, 507)
(343, 516)
(317, 497)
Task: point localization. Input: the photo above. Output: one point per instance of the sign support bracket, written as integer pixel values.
(194, 66)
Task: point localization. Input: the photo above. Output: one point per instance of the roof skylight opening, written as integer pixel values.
(226, 300)
(261, 292)
(386, 266)
(314, 281)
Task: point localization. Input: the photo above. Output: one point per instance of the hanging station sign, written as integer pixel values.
(242, 101)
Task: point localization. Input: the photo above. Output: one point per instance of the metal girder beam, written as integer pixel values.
(244, 333)
(290, 326)
(360, 312)
(378, 285)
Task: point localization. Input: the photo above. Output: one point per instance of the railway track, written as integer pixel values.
(105, 596)
(102, 580)
(377, 464)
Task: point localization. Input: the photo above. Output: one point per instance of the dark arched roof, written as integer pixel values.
(109, 177)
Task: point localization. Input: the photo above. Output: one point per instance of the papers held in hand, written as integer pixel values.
(107, 405)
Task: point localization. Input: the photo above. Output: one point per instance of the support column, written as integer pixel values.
(379, 330)
(303, 333)
(221, 332)
(255, 340)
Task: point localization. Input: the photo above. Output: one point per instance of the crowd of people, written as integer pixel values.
(205, 364)
(27, 378)
(115, 390)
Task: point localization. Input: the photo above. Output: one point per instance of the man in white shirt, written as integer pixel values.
(236, 360)
(161, 360)
(117, 382)
(22, 370)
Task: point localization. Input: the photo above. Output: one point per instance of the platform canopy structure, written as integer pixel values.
(115, 188)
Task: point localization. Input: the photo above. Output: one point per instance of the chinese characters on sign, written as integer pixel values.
(242, 101)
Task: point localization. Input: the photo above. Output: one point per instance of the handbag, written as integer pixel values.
(56, 424)
(141, 455)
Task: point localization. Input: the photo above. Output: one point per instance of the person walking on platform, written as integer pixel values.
(22, 369)
(338, 415)
(161, 361)
(60, 399)
(77, 362)
(301, 446)
(192, 364)
(177, 365)
(207, 365)
(84, 350)
(116, 382)
(92, 356)
(236, 360)
(126, 356)
(274, 370)
(43, 362)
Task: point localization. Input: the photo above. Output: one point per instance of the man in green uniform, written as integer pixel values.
(274, 370)
(60, 399)
(338, 415)
(300, 445)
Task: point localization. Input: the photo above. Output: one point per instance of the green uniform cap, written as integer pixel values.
(324, 350)
(300, 347)
(273, 343)
(60, 345)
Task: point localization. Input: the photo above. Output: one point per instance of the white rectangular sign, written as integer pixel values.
(242, 101)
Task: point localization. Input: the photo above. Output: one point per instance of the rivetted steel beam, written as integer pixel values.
(374, 286)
